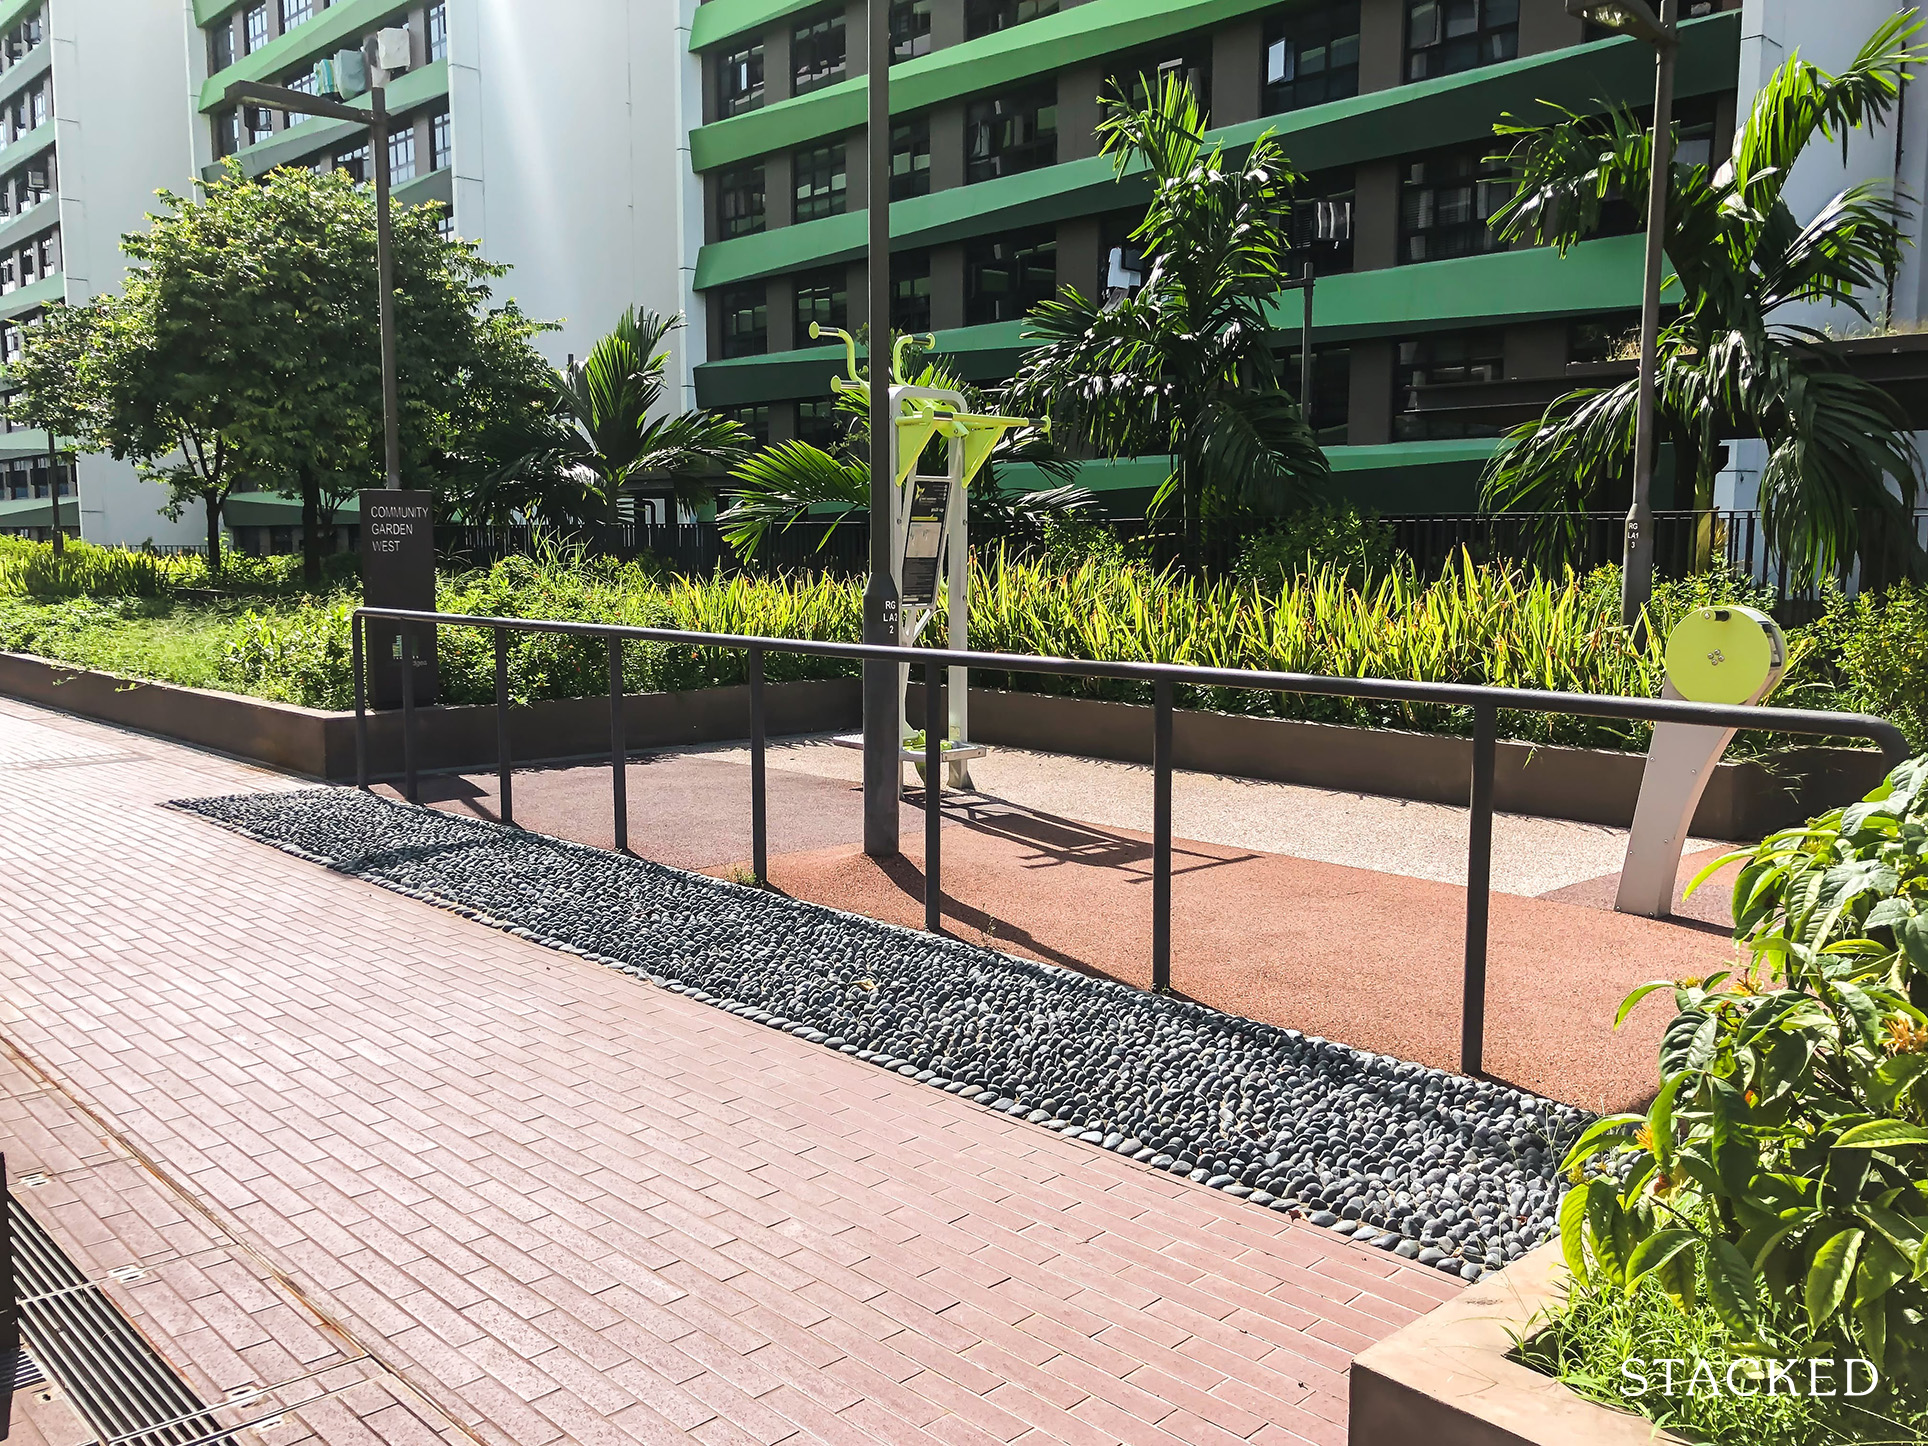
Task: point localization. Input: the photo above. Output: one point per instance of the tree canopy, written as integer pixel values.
(1188, 365)
(1841, 475)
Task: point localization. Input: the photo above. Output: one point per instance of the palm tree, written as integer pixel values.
(1187, 366)
(1838, 456)
(605, 403)
(790, 481)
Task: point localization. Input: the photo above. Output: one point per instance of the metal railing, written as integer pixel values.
(1165, 678)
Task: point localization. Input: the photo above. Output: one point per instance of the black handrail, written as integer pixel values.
(1486, 703)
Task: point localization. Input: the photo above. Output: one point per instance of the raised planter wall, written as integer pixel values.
(1743, 800)
(1447, 1380)
(321, 744)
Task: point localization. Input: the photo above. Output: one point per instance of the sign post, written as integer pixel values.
(398, 571)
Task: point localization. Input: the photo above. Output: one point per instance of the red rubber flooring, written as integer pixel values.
(1371, 959)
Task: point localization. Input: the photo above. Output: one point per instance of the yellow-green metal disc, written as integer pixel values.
(1719, 655)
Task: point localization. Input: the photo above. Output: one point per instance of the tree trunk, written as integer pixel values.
(213, 504)
(310, 531)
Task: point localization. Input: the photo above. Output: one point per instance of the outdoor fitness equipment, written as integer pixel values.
(1731, 655)
(929, 526)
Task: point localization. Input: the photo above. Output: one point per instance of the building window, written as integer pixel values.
(1446, 201)
(1444, 37)
(1311, 55)
(1446, 359)
(746, 321)
(254, 24)
(1322, 222)
(981, 17)
(257, 122)
(819, 173)
(910, 291)
(1009, 133)
(818, 423)
(739, 80)
(43, 103)
(910, 158)
(227, 133)
(303, 81)
(739, 202)
(910, 29)
(21, 41)
(1005, 276)
(445, 225)
(1189, 60)
(401, 155)
(817, 54)
(441, 142)
(438, 31)
(356, 163)
(296, 12)
(754, 420)
(221, 45)
(823, 297)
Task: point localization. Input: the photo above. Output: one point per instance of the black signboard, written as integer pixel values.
(398, 571)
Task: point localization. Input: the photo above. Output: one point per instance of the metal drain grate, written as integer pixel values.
(126, 1393)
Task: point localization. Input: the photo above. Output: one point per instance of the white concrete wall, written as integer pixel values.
(119, 81)
(571, 159)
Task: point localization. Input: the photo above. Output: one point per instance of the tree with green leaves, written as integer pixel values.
(245, 345)
(615, 435)
(1189, 365)
(1841, 477)
(51, 389)
(791, 481)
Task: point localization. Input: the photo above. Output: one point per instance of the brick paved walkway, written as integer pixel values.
(413, 1179)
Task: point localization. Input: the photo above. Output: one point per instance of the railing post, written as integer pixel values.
(504, 770)
(618, 749)
(934, 739)
(1161, 837)
(759, 791)
(407, 635)
(357, 630)
(1479, 886)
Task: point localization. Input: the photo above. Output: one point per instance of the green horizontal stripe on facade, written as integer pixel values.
(720, 20)
(1134, 474)
(28, 442)
(206, 11)
(346, 20)
(1586, 74)
(304, 138)
(12, 10)
(26, 298)
(1499, 289)
(31, 144)
(1341, 133)
(23, 73)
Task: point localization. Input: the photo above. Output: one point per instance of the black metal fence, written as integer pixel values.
(1165, 678)
(695, 549)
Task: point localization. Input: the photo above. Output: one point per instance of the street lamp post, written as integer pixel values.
(53, 488)
(296, 102)
(882, 745)
(1637, 17)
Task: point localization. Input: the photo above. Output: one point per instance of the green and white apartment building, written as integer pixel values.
(708, 158)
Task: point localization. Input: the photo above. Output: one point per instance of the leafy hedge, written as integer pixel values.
(1778, 1185)
(1475, 624)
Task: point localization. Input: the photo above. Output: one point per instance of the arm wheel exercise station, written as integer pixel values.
(930, 533)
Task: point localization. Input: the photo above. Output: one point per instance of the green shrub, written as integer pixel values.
(80, 569)
(1782, 1171)
(1355, 544)
(1876, 646)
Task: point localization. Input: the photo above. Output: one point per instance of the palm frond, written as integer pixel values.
(783, 484)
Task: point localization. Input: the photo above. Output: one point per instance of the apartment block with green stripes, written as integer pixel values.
(999, 195)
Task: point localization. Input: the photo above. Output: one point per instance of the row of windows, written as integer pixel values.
(27, 185)
(26, 477)
(30, 261)
(31, 108)
(248, 30)
(1004, 277)
(1310, 54)
(20, 40)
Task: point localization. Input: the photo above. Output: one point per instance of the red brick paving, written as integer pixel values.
(510, 1196)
